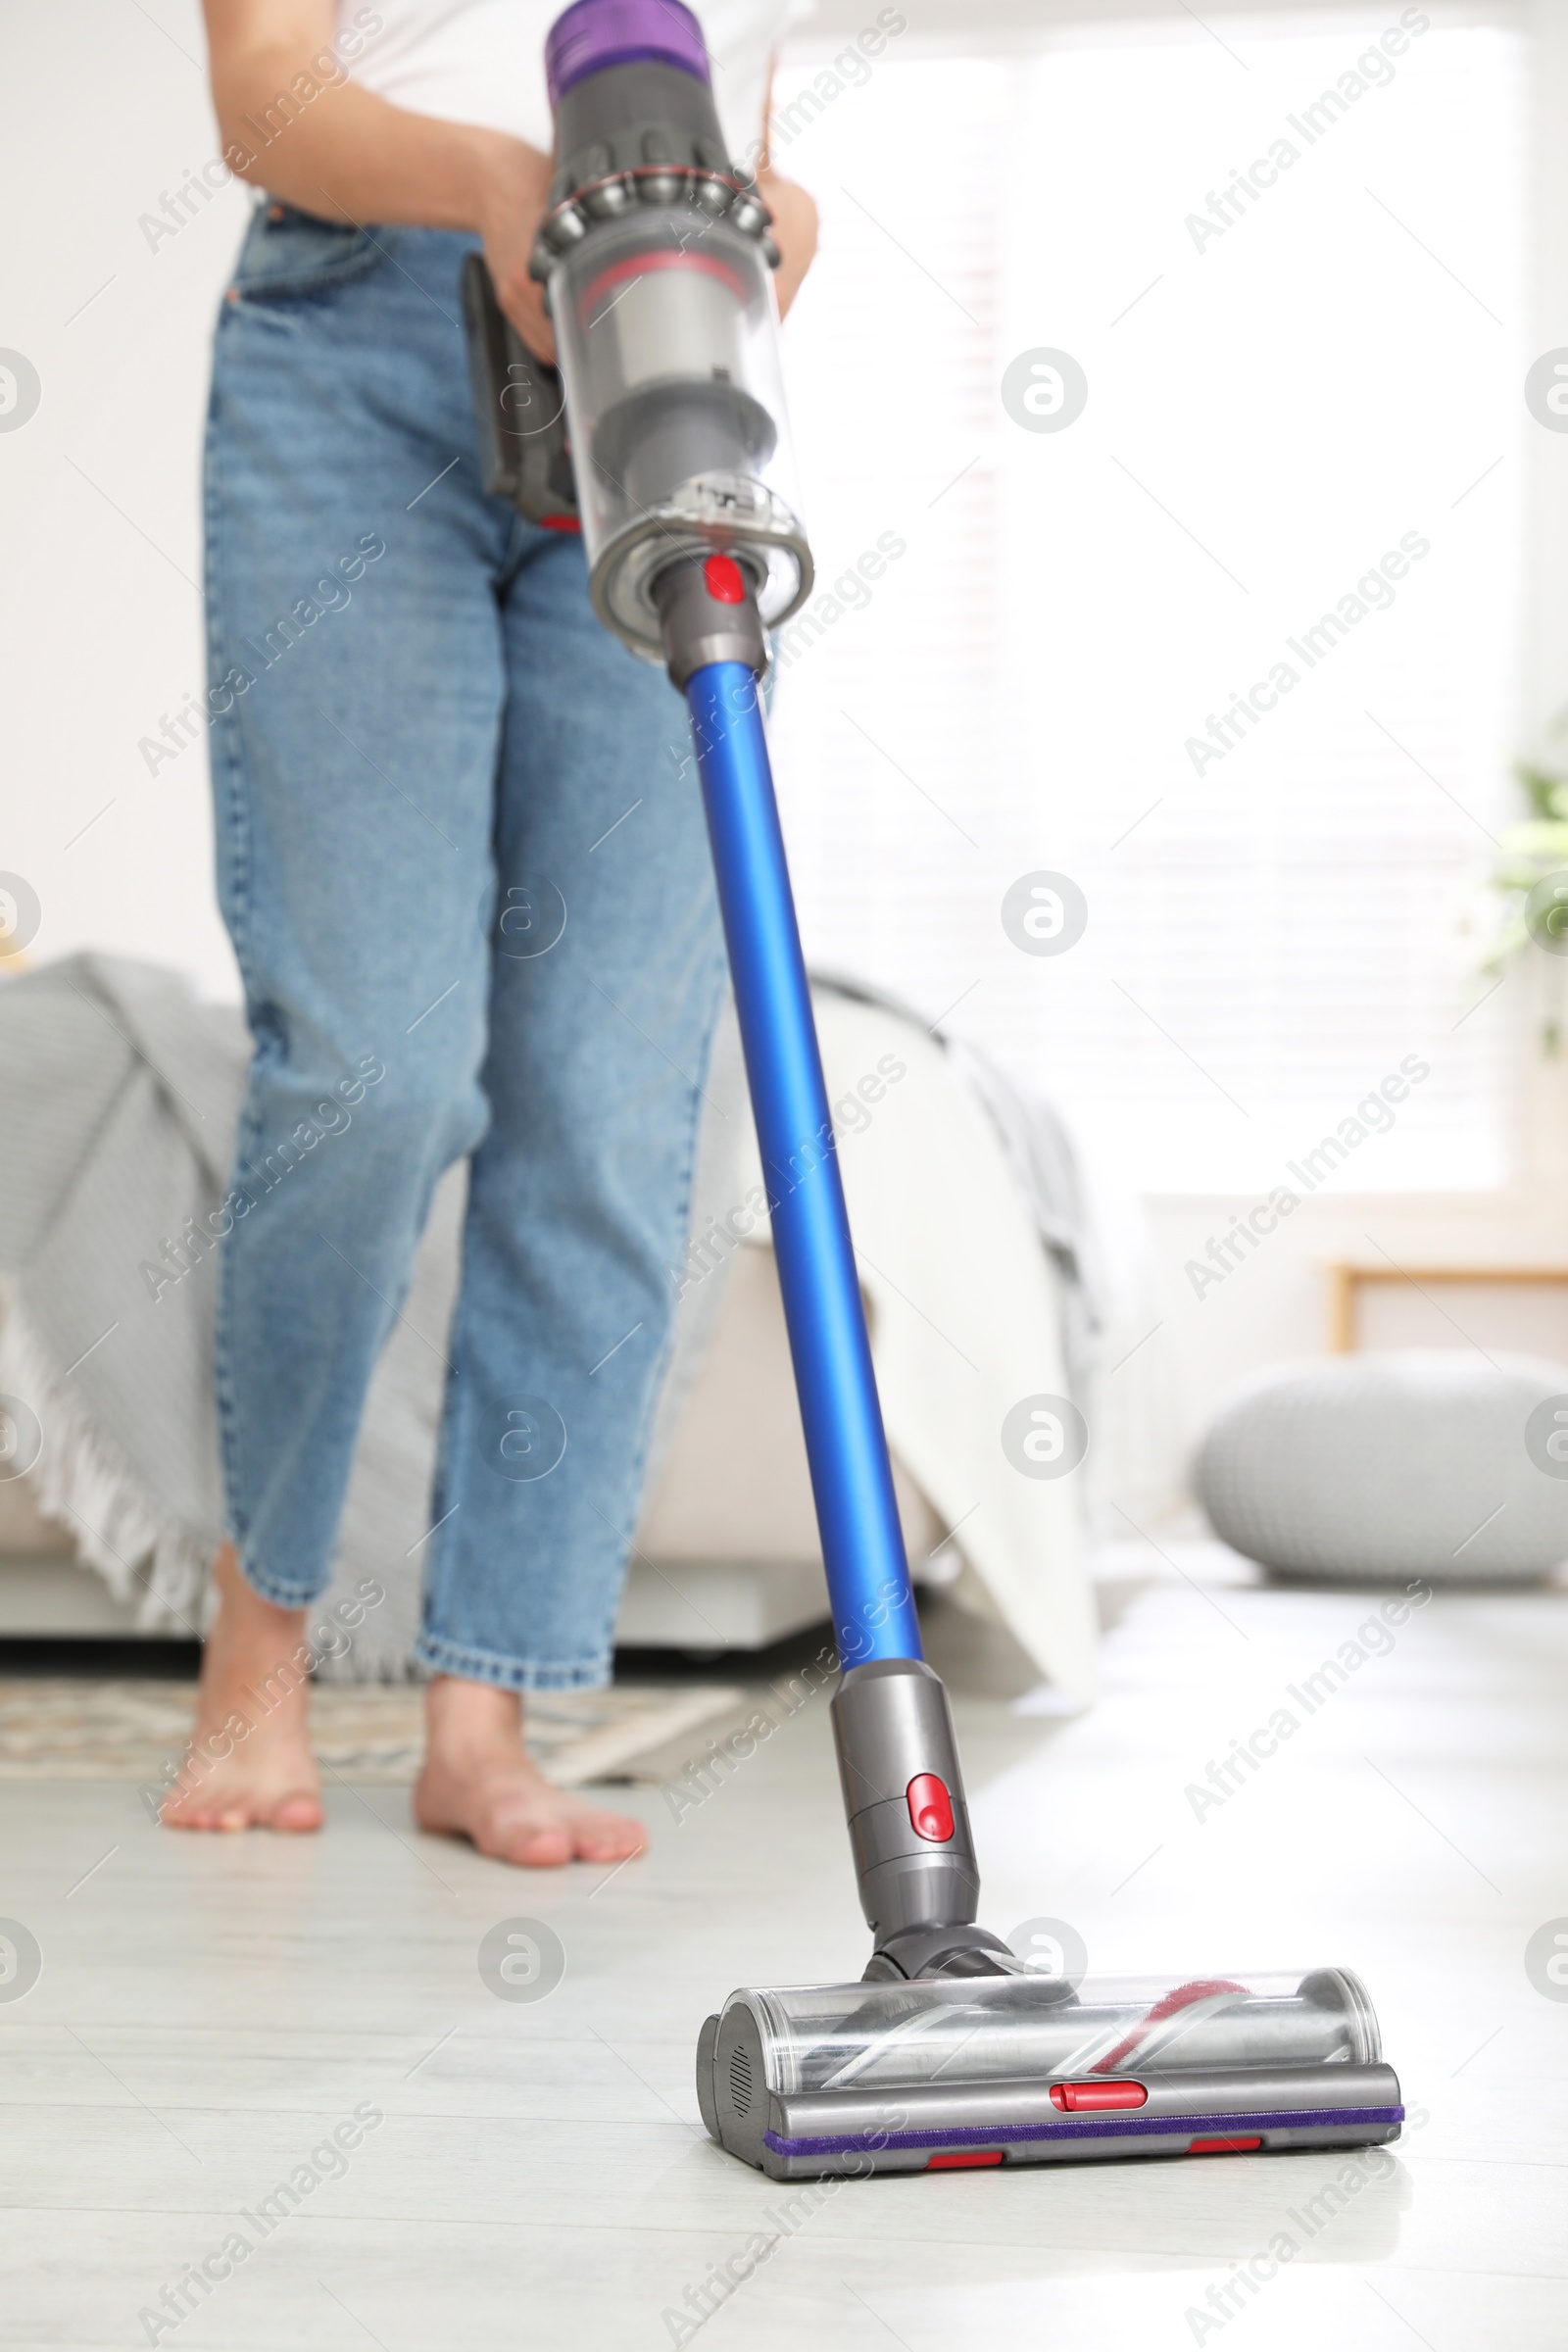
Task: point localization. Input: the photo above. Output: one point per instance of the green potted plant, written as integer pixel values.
(1531, 881)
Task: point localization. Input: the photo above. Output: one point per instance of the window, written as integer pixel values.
(1304, 400)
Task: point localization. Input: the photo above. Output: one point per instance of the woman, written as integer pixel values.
(462, 861)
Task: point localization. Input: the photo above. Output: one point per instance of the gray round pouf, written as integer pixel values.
(1430, 1462)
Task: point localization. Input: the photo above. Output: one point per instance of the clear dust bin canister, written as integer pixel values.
(666, 329)
(1020, 2068)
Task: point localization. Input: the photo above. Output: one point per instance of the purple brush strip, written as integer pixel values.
(1100, 2127)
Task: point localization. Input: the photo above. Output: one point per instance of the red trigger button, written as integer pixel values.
(721, 575)
(930, 1808)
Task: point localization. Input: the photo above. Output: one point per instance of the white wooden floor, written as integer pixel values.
(210, 2011)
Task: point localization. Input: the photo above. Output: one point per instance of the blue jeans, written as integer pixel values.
(463, 862)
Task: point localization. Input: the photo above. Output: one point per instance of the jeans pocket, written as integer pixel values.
(288, 255)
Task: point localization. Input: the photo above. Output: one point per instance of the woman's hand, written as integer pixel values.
(793, 232)
(512, 183)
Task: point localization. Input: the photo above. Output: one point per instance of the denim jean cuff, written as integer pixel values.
(281, 1594)
(512, 1674)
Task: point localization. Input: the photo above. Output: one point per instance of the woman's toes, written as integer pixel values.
(298, 1815)
(180, 1813)
(614, 1840)
(534, 1849)
(506, 1808)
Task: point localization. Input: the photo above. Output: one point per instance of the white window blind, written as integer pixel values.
(1277, 400)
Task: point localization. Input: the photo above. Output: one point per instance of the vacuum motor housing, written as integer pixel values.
(656, 259)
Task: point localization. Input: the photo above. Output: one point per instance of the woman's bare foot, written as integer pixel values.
(249, 1764)
(479, 1782)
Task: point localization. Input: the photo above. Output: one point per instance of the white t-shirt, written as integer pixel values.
(483, 61)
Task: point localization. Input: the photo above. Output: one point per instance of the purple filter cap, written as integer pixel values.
(594, 33)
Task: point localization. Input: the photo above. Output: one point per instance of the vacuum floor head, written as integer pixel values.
(941, 2074)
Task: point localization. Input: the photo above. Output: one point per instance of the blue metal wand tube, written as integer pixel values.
(851, 1478)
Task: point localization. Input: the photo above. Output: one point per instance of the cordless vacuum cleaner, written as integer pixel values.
(950, 2052)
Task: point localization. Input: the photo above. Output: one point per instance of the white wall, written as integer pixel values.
(1276, 1304)
(100, 602)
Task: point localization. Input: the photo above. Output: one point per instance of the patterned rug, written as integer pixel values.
(78, 1728)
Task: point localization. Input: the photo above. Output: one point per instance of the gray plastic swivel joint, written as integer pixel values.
(909, 1824)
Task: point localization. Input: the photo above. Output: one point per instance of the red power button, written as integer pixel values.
(930, 1808)
(721, 575)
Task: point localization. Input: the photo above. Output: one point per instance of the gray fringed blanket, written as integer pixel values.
(120, 1093)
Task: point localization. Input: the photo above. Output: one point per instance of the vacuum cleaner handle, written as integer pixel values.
(519, 410)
